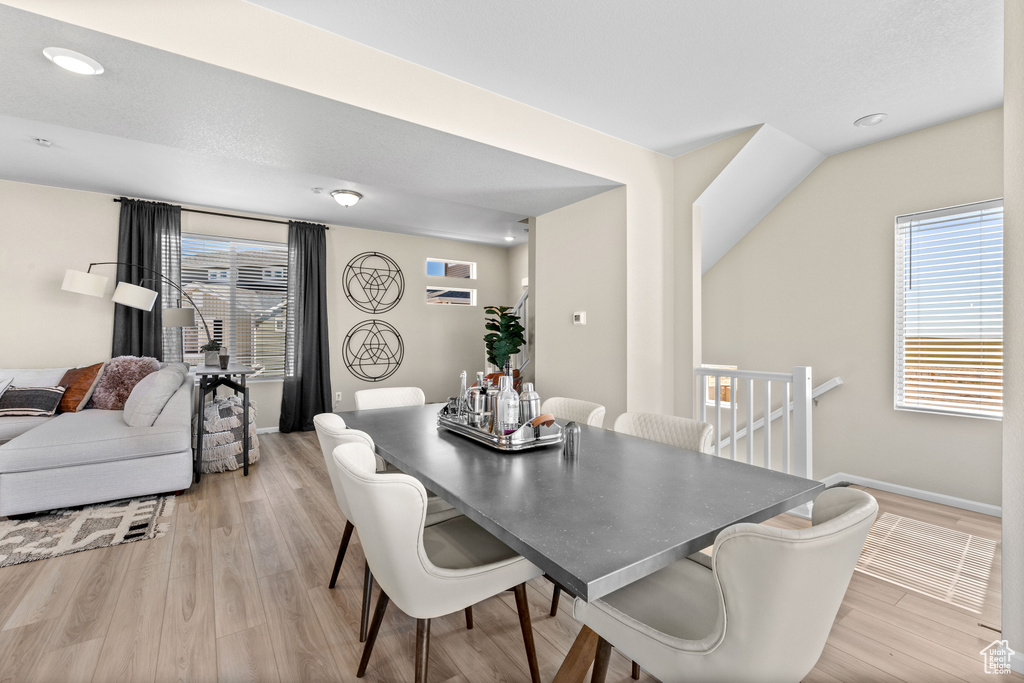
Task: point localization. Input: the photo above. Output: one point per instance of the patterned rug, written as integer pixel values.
(73, 530)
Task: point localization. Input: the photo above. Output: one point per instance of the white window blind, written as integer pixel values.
(949, 310)
(241, 288)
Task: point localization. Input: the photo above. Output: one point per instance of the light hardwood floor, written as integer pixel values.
(237, 591)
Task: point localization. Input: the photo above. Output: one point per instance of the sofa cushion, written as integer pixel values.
(151, 394)
(80, 383)
(32, 377)
(30, 401)
(4, 383)
(119, 378)
(90, 436)
(13, 426)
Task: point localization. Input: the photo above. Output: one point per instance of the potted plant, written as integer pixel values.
(211, 351)
(505, 338)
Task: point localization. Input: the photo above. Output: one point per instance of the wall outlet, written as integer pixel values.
(579, 318)
(337, 397)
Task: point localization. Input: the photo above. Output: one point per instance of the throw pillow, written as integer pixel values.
(80, 383)
(4, 383)
(119, 378)
(151, 394)
(32, 401)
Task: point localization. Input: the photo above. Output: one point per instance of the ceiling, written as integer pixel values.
(161, 126)
(674, 75)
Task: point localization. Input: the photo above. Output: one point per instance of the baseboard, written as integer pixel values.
(930, 496)
(267, 430)
(1017, 663)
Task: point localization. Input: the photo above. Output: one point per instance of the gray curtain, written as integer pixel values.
(307, 380)
(149, 237)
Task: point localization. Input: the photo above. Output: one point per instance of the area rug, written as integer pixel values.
(72, 530)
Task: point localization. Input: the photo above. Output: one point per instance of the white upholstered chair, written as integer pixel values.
(332, 432)
(391, 397)
(426, 571)
(675, 431)
(759, 609)
(575, 410)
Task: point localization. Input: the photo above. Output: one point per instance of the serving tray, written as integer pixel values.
(525, 438)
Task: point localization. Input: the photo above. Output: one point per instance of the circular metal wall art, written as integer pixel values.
(373, 282)
(373, 350)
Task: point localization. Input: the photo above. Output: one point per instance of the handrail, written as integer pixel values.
(744, 374)
(519, 304)
(777, 413)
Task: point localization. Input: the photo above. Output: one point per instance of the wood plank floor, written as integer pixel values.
(237, 591)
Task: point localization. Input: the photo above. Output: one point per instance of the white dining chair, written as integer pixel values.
(332, 432)
(427, 572)
(390, 397)
(760, 608)
(574, 410)
(683, 432)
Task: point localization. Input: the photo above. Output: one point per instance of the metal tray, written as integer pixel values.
(523, 439)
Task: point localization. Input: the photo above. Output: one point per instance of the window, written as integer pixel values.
(449, 268)
(241, 288)
(451, 295)
(949, 310)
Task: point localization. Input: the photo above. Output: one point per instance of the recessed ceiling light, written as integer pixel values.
(870, 120)
(509, 238)
(346, 197)
(74, 62)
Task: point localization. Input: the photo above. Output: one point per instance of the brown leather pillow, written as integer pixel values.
(80, 383)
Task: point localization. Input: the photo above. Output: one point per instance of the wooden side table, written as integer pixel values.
(210, 378)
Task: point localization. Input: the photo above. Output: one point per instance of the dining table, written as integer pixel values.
(619, 510)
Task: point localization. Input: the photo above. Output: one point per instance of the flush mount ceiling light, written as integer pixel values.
(74, 62)
(509, 238)
(346, 197)
(870, 120)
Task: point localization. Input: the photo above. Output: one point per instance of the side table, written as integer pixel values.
(210, 378)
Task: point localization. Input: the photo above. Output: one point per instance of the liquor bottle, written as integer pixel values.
(507, 419)
(463, 405)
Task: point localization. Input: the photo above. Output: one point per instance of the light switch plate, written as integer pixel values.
(579, 318)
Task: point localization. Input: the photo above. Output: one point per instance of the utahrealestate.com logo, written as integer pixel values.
(997, 657)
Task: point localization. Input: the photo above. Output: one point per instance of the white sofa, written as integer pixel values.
(93, 455)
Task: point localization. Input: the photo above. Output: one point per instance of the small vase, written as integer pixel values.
(225, 359)
(212, 358)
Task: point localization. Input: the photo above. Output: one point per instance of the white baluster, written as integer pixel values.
(750, 421)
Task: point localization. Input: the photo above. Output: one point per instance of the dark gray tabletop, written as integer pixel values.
(623, 509)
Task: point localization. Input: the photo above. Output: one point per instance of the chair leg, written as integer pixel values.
(422, 649)
(523, 607)
(378, 617)
(345, 537)
(554, 600)
(469, 617)
(636, 671)
(604, 655)
(367, 595)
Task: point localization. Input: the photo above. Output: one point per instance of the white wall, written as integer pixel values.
(812, 284)
(582, 361)
(1013, 333)
(44, 230)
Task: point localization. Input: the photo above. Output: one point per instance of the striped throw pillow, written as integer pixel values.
(31, 401)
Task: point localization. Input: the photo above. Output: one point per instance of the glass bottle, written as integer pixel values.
(507, 419)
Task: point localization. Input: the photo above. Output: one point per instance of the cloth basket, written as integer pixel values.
(222, 440)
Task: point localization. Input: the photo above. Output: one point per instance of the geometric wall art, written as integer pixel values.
(373, 282)
(373, 350)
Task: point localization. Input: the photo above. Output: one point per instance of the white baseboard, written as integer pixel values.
(931, 496)
(1017, 663)
(267, 430)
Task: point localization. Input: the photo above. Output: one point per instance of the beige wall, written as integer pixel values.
(249, 39)
(518, 270)
(582, 361)
(1013, 333)
(44, 230)
(812, 284)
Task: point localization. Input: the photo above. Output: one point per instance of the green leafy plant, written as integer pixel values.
(212, 345)
(506, 335)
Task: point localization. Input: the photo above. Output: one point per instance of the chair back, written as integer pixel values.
(574, 409)
(683, 432)
(391, 397)
(782, 588)
(332, 432)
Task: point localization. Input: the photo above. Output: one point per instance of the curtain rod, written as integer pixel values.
(230, 215)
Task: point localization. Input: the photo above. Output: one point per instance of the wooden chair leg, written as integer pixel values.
(345, 537)
(469, 617)
(604, 655)
(378, 617)
(422, 649)
(367, 596)
(523, 607)
(636, 671)
(554, 600)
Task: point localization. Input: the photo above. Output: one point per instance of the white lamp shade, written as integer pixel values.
(179, 317)
(84, 283)
(134, 296)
